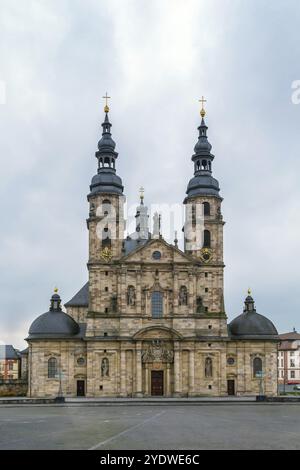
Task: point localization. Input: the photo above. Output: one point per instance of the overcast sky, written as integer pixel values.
(155, 58)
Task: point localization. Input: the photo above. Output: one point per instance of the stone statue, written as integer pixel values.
(131, 296)
(105, 367)
(183, 295)
(208, 367)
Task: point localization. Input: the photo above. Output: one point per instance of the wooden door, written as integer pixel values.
(157, 382)
(80, 388)
(230, 387)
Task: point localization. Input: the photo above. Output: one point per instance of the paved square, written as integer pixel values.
(213, 426)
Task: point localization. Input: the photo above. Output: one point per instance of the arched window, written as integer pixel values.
(106, 240)
(206, 239)
(106, 161)
(208, 367)
(105, 367)
(157, 304)
(183, 297)
(206, 208)
(131, 295)
(204, 164)
(257, 366)
(198, 165)
(52, 368)
(106, 206)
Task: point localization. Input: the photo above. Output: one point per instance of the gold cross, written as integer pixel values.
(106, 107)
(202, 101)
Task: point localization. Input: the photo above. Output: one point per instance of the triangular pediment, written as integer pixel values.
(168, 253)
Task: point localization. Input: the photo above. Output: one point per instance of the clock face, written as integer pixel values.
(106, 254)
(206, 254)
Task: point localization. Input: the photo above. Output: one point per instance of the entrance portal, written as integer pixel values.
(80, 388)
(230, 387)
(157, 382)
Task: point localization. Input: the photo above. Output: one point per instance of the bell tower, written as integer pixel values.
(203, 229)
(106, 199)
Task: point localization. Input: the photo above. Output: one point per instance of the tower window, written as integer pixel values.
(204, 164)
(206, 239)
(206, 274)
(206, 208)
(206, 289)
(157, 304)
(106, 289)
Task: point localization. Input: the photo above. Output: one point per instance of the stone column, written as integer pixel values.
(123, 290)
(147, 391)
(191, 292)
(175, 292)
(168, 381)
(138, 292)
(177, 386)
(138, 369)
(191, 372)
(123, 373)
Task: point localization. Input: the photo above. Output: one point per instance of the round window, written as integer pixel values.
(156, 255)
(80, 361)
(230, 361)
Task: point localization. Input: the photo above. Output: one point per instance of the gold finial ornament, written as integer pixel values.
(142, 193)
(202, 101)
(106, 107)
(249, 291)
(55, 290)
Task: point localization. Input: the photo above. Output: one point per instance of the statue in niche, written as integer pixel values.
(199, 305)
(208, 367)
(114, 303)
(183, 297)
(105, 367)
(131, 296)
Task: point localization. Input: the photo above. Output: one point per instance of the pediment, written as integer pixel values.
(169, 254)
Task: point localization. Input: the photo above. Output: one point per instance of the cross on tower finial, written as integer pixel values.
(106, 107)
(202, 101)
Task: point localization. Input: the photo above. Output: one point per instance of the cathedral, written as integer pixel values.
(151, 319)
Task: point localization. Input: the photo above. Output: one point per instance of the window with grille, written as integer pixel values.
(157, 304)
(52, 368)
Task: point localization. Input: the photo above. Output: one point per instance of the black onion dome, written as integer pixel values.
(252, 325)
(203, 183)
(53, 324)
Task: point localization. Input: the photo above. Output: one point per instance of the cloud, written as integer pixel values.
(155, 59)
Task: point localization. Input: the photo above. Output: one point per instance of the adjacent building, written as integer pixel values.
(289, 358)
(151, 319)
(10, 363)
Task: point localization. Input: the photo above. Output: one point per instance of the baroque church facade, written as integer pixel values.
(151, 318)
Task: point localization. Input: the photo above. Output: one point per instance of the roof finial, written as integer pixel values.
(106, 107)
(249, 291)
(55, 290)
(142, 194)
(176, 239)
(202, 112)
